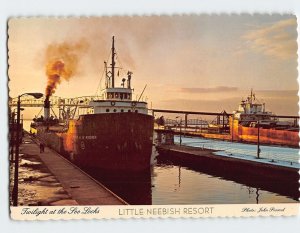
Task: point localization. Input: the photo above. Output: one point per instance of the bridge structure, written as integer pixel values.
(220, 122)
(66, 106)
(28, 101)
(221, 119)
(70, 105)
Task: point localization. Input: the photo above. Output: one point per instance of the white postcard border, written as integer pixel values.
(154, 211)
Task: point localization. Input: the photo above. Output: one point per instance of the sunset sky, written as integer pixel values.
(190, 62)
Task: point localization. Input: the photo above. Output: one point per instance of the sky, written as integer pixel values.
(188, 62)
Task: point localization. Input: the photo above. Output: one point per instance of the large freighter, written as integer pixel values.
(247, 122)
(112, 133)
(252, 114)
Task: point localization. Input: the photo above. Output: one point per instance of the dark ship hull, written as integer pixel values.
(112, 141)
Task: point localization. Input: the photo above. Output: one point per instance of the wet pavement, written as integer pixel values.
(37, 185)
(49, 179)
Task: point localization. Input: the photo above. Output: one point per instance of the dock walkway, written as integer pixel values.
(221, 155)
(80, 186)
(208, 158)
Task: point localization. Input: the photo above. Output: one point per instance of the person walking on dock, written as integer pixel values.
(42, 147)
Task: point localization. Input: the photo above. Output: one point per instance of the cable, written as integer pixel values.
(99, 84)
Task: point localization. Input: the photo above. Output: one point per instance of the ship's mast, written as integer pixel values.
(113, 63)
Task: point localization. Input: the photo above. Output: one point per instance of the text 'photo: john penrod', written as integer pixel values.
(153, 110)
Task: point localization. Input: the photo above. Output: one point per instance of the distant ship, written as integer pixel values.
(252, 114)
(113, 133)
(242, 126)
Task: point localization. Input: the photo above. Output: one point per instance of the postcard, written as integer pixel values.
(162, 116)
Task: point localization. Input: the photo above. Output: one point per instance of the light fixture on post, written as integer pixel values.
(258, 141)
(180, 139)
(12, 133)
(16, 175)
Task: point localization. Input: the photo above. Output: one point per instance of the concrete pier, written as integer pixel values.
(255, 173)
(207, 155)
(80, 187)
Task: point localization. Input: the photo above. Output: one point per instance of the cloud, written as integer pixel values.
(277, 40)
(209, 89)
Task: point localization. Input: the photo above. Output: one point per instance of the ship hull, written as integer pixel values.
(112, 141)
(245, 134)
(269, 136)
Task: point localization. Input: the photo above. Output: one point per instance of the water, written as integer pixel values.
(169, 182)
(181, 185)
(173, 182)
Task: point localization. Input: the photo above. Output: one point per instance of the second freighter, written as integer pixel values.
(112, 133)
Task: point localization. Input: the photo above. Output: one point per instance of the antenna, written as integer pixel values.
(113, 63)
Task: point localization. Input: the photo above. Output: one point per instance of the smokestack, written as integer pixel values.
(47, 109)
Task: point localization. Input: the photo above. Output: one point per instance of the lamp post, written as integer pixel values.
(258, 142)
(180, 140)
(16, 175)
(232, 125)
(12, 133)
(201, 122)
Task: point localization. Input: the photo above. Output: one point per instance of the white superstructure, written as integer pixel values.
(250, 111)
(115, 99)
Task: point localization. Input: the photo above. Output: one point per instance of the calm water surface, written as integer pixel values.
(170, 183)
(180, 185)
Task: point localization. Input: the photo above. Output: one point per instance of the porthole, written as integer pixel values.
(122, 110)
(136, 111)
(129, 110)
(107, 110)
(115, 110)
